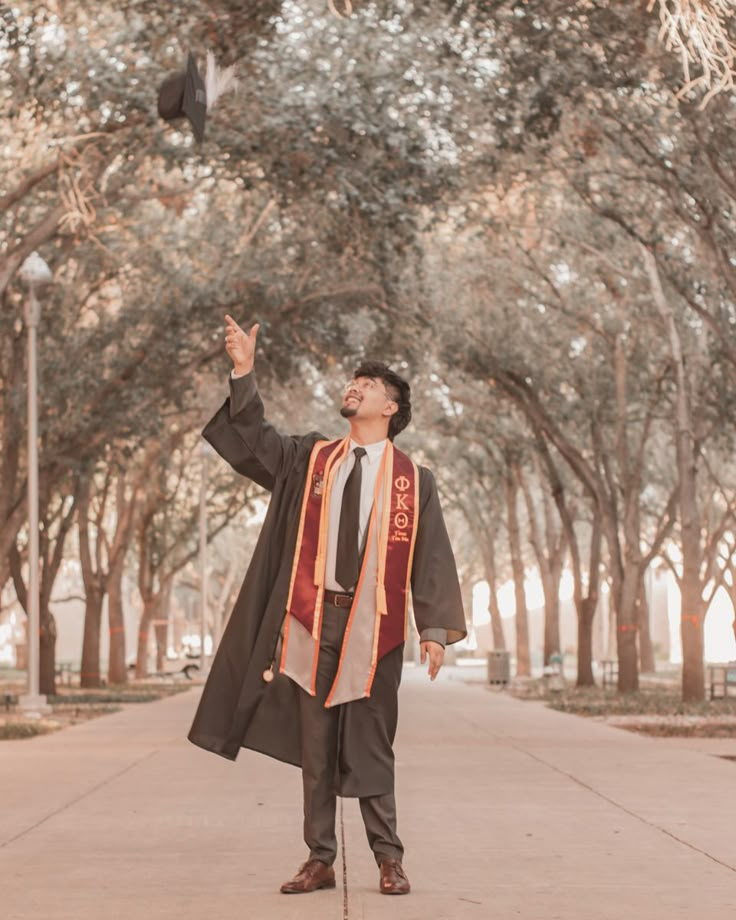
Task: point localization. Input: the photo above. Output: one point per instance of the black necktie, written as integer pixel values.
(347, 561)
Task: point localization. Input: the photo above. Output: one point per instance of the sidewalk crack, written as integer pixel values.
(74, 801)
(344, 864)
(623, 808)
(508, 741)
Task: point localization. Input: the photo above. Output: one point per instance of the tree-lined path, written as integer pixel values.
(520, 812)
(526, 208)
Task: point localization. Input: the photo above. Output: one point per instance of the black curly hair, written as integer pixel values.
(396, 387)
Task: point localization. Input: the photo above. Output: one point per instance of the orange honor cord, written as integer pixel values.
(297, 551)
(302, 519)
(385, 478)
(314, 461)
(320, 564)
(335, 459)
(415, 528)
(333, 462)
(388, 473)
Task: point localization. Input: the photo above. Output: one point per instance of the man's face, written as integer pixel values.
(366, 398)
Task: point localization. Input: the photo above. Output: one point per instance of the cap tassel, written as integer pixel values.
(218, 80)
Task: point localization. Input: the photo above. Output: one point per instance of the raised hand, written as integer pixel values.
(240, 345)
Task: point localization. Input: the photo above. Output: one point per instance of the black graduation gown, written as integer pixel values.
(237, 707)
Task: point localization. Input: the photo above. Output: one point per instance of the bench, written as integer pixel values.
(64, 671)
(722, 676)
(609, 668)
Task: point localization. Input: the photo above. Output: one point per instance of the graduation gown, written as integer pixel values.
(237, 707)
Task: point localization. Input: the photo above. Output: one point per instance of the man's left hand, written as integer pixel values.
(436, 654)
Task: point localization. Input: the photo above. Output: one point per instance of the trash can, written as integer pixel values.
(499, 667)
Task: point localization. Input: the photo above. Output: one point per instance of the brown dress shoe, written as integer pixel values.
(314, 874)
(393, 878)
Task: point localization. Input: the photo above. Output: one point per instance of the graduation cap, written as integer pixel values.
(187, 95)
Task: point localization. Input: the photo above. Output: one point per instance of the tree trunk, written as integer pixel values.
(692, 610)
(585, 643)
(89, 674)
(499, 640)
(117, 673)
(523, 661)
(47, 654)
(551, 617)
(161, 624)
(549, 563)
(693, 641)
(646, 650)
(626, 645)
(585, 605)
(161, 630)
(126, 509)
(150, 606)
(47, 623)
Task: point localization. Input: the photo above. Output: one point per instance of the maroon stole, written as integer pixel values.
(377, 622)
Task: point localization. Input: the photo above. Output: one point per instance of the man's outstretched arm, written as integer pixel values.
(239, 431)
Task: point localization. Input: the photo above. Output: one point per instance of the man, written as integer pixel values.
(309, 665)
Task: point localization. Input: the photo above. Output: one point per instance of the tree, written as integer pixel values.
(550, 551)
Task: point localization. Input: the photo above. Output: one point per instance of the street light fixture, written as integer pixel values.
(35, 273)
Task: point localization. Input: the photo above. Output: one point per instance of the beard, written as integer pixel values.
(349, 411)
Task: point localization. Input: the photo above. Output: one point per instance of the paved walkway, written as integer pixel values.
(507, 810)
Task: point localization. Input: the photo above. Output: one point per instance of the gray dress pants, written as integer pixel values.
(319, 731)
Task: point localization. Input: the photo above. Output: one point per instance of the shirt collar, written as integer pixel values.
(374, 451)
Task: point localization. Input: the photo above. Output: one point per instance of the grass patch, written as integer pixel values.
(82, 712)
(117, 694)
(15, 725)
(593, 701)
(12, 730)
(71, 705)
(695, 729)
(652, 710)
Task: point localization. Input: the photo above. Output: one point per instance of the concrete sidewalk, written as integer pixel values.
(507, 809)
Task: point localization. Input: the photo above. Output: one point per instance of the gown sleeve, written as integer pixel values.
(435, 587)
(240, 434)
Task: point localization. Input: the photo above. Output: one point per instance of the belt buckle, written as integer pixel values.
(343, 600)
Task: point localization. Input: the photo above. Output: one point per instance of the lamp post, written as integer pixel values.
(205, 451)
(35, 273)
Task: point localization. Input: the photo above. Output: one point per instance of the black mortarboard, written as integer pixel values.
(183, 95)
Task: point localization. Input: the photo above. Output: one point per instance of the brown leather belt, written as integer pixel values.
(339, 600)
